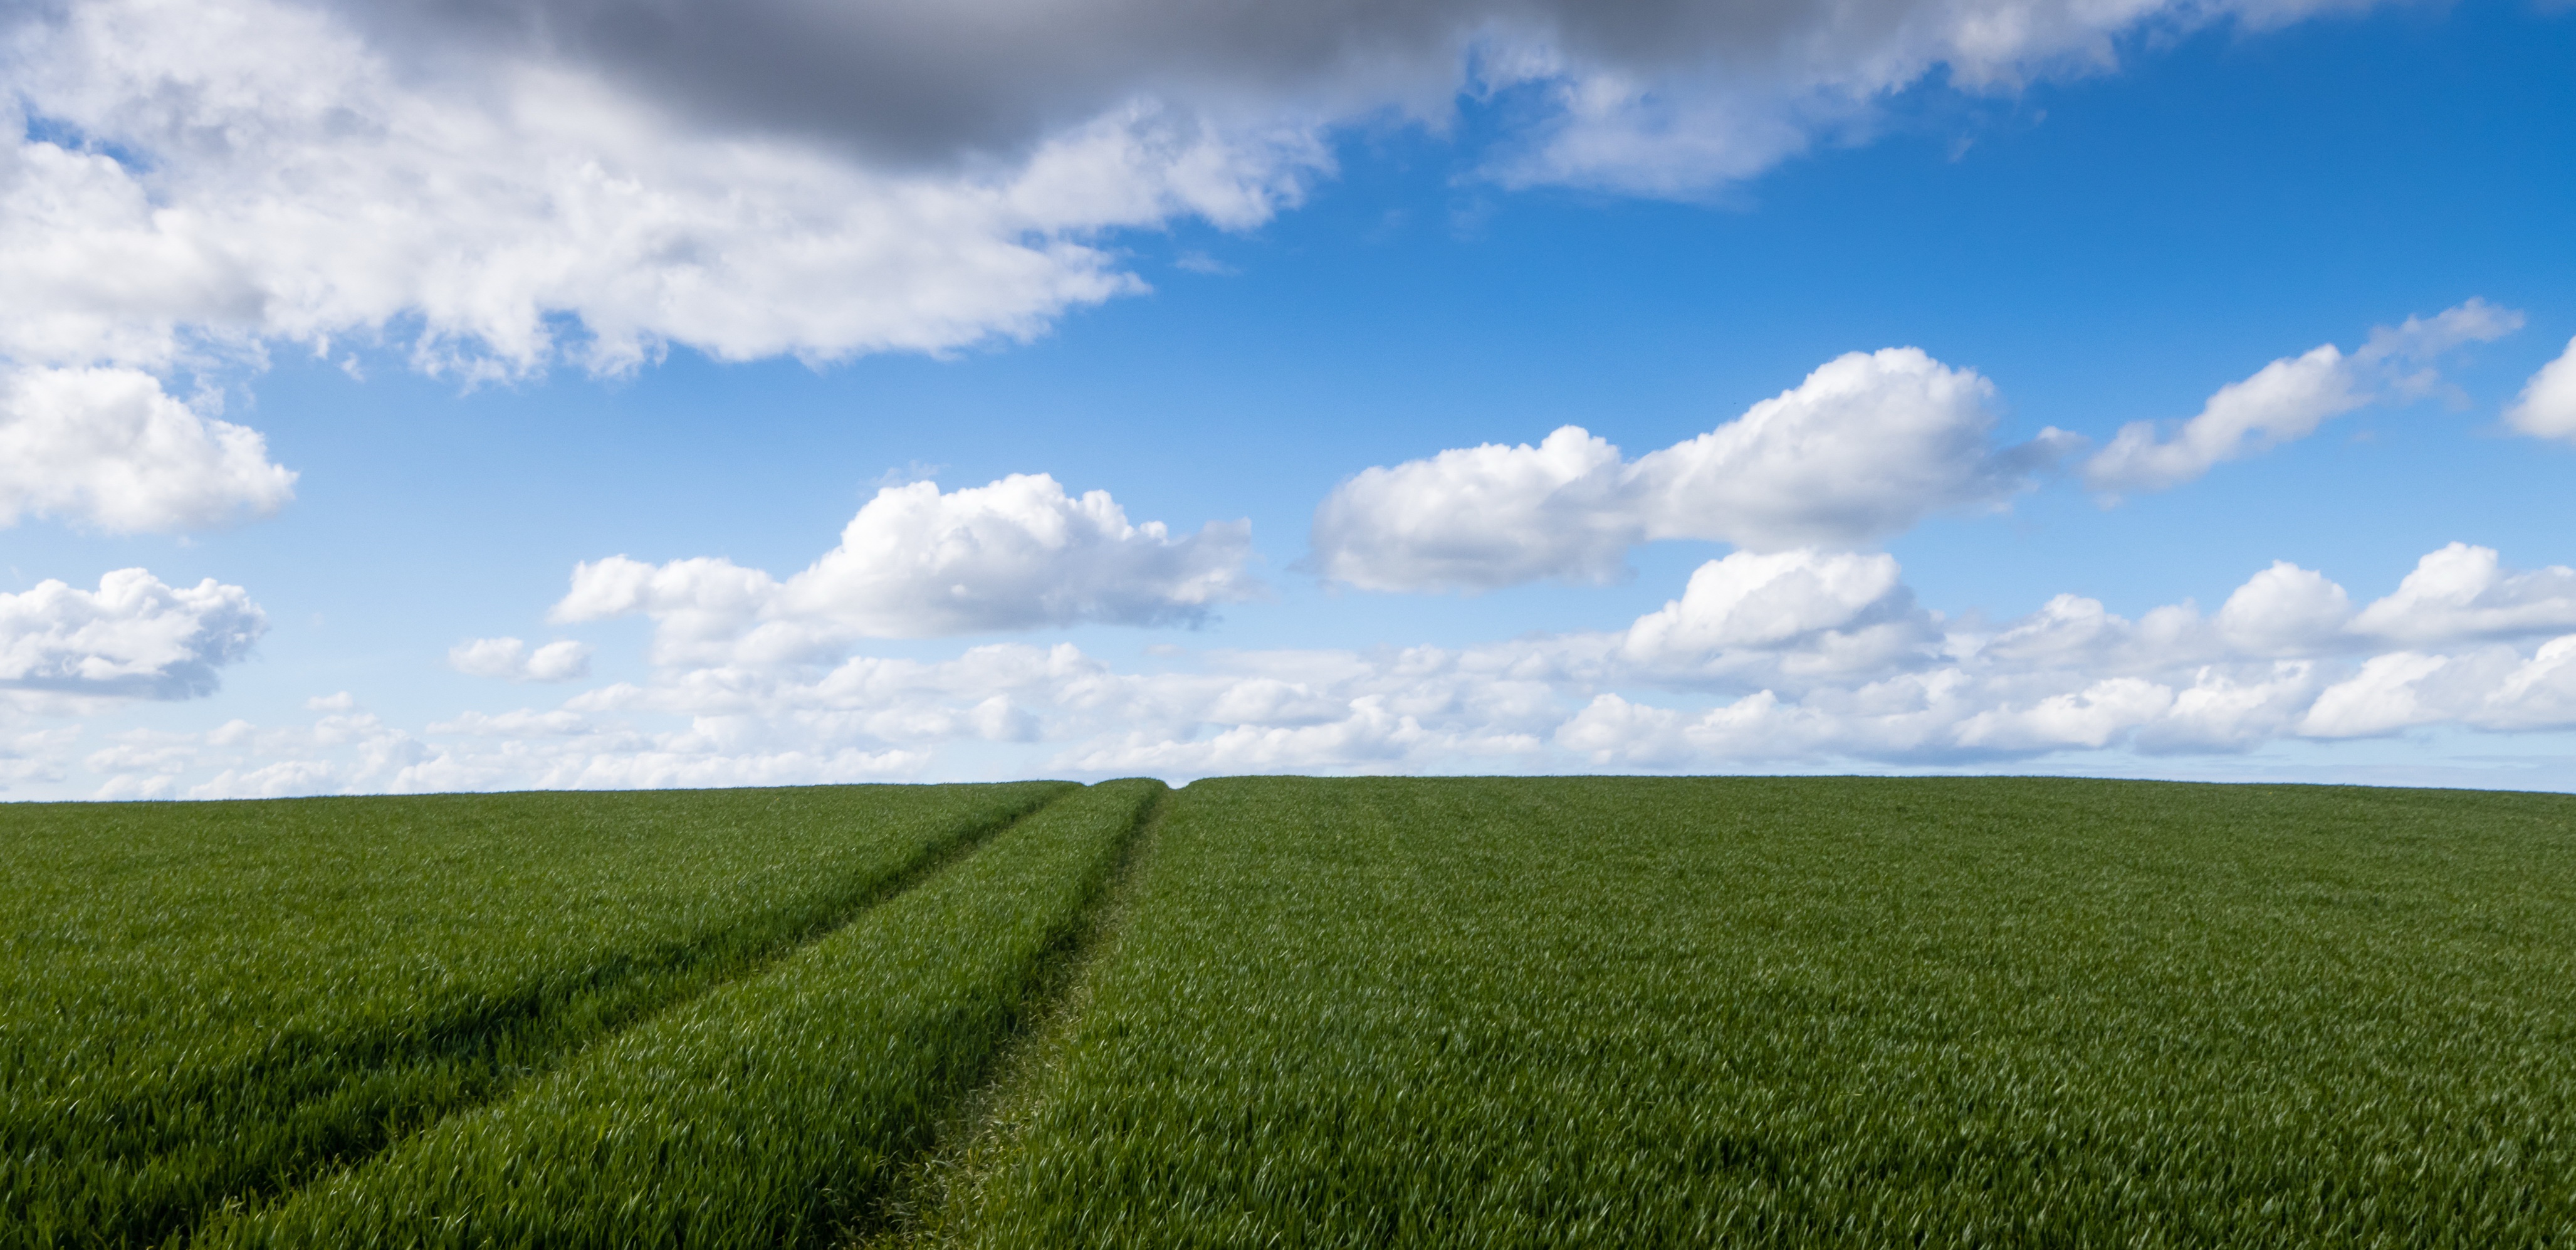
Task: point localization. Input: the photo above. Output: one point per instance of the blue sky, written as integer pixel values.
(1223, 296)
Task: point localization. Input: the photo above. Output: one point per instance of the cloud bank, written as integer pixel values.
(1800, 657)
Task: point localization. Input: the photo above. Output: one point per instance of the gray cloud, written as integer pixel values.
(925, 81)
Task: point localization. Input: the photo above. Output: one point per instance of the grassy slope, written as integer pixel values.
(1946, 1012)
(206, 1001)
(774, 1111)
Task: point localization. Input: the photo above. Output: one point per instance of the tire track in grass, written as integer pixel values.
(777, 1110)
(927, 1205)
(412, 1077)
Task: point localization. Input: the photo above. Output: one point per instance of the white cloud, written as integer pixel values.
(819, 182)
(281, 780)
(2462, 593)
(126, 787)
(43, 756)
(345, 195)
(106, 446)
(183, 183)
(2538, 693)
(2231, 708)
(2284, 610)
(1867, 446)
(2382, 697)
(510, 659)
(915, 562)
(2090, 717)
(132, 637)
(2547, 406)
(1778, 627)
(1483, 517)
(1842, 611)
(2289, 398)
(186, 183)
(1798, 659)
(139, 754)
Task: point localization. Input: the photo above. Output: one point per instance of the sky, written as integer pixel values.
(438, 395)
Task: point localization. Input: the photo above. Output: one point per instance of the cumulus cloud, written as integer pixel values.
(2463, 592)
(2289, 398)
(915, 562)
(108, 447)
(2284, 610)
(1481, 517)
(345, 195)
(2380, 698)
(1815, 611)
(186, 183)
(2547, 406)
(510, 659)
(132, 637)
(1868, 445)
(1865, 447)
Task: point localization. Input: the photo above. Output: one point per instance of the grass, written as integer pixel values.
(204, 1003)
(777, 1110)
(1381, 1012)
(1793, 1012)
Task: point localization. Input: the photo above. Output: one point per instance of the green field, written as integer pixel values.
(1295, 1012)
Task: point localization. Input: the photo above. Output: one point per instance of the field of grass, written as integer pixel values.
(772, 1112)
(1793, 1012)
(1471, 1012)
(211, 1002)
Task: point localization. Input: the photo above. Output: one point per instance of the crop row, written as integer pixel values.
(204, 1003)
(776, 1110)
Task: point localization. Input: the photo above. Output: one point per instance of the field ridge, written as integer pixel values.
(529, 1034)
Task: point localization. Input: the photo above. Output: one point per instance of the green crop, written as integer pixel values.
(1367, 1012)
(1803, 1012)
(202, 1003)
(777, 1110)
